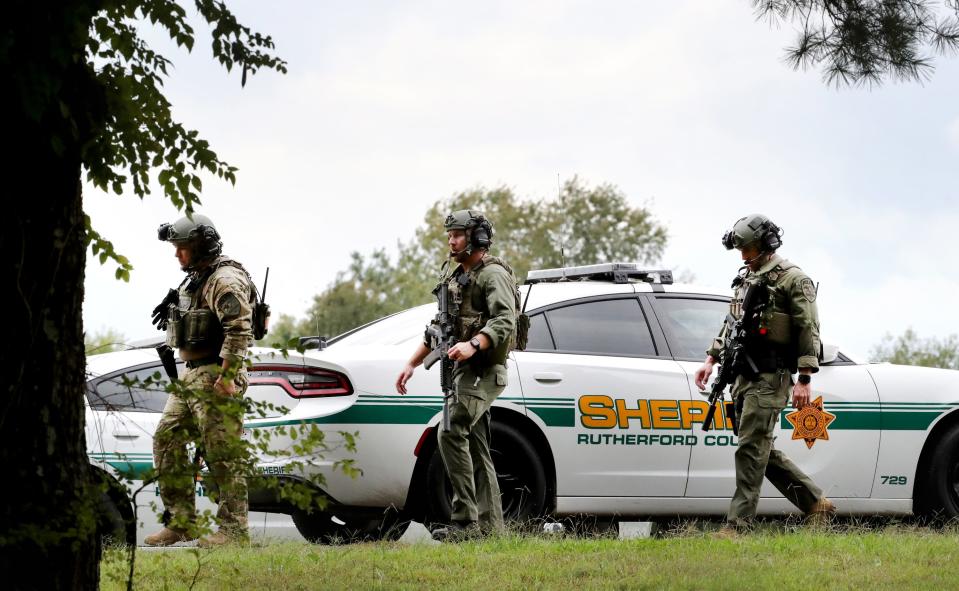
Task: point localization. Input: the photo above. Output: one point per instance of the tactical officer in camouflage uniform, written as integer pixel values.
(486, 326)
(209, 321)
(788, 343)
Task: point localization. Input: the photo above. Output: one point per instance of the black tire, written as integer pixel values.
(937, 492)
(519, 472)
(115, 520)
(330, 527)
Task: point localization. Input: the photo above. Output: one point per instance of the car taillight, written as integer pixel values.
(302, 382)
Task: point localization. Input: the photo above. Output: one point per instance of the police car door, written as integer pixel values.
(131, 402)
(844, 466)
(608, 399)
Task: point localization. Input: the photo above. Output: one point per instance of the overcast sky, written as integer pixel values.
(686, 106)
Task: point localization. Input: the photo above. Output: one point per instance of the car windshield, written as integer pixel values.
(407, 326)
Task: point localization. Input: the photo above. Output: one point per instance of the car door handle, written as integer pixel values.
(122, 435)
(548, 376)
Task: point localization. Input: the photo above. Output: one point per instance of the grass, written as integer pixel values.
(777, 556)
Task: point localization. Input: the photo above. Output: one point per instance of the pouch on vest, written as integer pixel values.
(261, 319)
(779, 329)
(201, 330)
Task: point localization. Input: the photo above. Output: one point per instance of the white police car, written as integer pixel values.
(124, 402)
(601, 416)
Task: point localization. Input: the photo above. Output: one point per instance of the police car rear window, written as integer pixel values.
(140, 391)
(690, 324)
(603, 327)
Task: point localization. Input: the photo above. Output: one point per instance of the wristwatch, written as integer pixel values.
(804, 379)
(475, 342)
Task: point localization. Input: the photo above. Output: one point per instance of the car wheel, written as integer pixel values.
(519, 472)
(328, 527)
(939, 498)
(115, 520)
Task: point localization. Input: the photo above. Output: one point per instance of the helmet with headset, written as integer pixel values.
(754, 229)
(479, 230)
(197, 230)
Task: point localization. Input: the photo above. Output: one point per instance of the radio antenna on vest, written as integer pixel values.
(265, 279)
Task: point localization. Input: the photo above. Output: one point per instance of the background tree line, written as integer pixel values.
(582, 225)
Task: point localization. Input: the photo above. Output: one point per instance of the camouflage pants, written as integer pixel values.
(763, 402)
(215, 423)
(466, 448)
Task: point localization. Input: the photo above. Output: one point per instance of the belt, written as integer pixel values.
(205, 361)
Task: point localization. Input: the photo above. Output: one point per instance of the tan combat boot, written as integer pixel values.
(168, 536)
(821, 513)
(222, 538)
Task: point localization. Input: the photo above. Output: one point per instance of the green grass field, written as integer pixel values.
(777, 557)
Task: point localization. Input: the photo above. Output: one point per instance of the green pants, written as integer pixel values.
(465, 448)
(215, 423)
(763, 402)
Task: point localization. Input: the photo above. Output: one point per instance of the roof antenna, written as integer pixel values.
(562, 244)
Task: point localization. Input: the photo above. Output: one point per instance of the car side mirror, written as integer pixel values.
(318, 343)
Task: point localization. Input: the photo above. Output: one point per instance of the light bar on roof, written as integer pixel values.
(615, 272)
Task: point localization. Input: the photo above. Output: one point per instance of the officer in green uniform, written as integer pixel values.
(788, 343)
(486, 328)
(210, 322)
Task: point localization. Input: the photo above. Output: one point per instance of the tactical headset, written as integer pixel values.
(764, 231)
(477, 227)
(204, 236)
(481, 235)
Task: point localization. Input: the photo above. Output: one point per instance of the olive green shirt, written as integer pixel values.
(792, 318)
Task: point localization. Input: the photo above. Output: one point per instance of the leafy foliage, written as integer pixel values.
(583, 225)
(103, 342)
(140, 141)
(863, 41)
(909, 349)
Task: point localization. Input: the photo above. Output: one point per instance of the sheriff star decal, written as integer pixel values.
(810, 422)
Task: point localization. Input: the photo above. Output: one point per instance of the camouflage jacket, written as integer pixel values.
(227, 291)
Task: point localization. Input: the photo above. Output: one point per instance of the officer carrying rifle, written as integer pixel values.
(474, 331)
(772, 332)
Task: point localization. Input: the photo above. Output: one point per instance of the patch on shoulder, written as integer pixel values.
(228, 305)
(808, 289)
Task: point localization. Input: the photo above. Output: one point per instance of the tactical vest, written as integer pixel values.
(474, 314)
(771, 344)
(193, 326)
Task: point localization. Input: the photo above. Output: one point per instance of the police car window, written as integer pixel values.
(690, 324)
(539, 337)
(605, 327)
(142, 391)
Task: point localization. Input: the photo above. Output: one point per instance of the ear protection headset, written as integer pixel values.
(480, 231)
(754, 229)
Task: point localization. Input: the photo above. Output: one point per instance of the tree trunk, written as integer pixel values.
(48, 537)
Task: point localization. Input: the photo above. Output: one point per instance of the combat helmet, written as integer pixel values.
(754, 229)
(197, 230)
(478, 229)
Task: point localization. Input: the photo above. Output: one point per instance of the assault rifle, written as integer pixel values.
(442, 333)
(735, 360)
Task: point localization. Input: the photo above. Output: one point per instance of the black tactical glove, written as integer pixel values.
(160, 312)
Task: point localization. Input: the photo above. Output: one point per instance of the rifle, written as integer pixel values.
(442, 333)
(735, 360)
